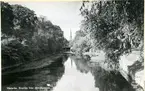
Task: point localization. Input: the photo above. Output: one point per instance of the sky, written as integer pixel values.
(65, 14)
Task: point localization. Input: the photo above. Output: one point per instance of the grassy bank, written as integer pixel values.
(32, 65)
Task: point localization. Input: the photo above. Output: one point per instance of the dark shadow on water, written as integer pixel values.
(33, 77)
(104, 80)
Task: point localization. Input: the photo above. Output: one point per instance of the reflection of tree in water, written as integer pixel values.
(57, 70)
(81, 63)
(110, 81)
(104, 80)
(38, 77)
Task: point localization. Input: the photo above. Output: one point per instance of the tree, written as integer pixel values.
(114, 26)
(25, 22)
(7, 19)
(32, 37)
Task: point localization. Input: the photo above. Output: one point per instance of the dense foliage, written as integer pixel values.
(26, 36)
(24, 22)
(7, 18)
(116, 27)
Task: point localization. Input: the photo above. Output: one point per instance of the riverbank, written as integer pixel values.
(133, 65)
(34, 64)
(40, 73)
(128, 65)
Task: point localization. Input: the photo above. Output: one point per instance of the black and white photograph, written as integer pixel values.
(86, 45)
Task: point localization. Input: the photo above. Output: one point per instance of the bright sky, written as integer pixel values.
(64, 14)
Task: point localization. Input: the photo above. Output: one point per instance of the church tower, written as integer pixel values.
(70, 40)
(70, 35)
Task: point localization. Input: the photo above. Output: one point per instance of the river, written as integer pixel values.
(68, 73)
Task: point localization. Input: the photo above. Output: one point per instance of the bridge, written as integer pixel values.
(67, 48)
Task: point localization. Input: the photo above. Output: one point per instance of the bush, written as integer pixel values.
(14, 52)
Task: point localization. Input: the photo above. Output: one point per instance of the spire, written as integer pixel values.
(70, 35)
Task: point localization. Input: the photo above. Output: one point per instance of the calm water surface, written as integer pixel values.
(68, 73)
(81, 75)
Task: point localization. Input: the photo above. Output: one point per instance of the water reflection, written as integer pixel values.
(75, 73)
(37, 77)
(74, 80)
(80, 75)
